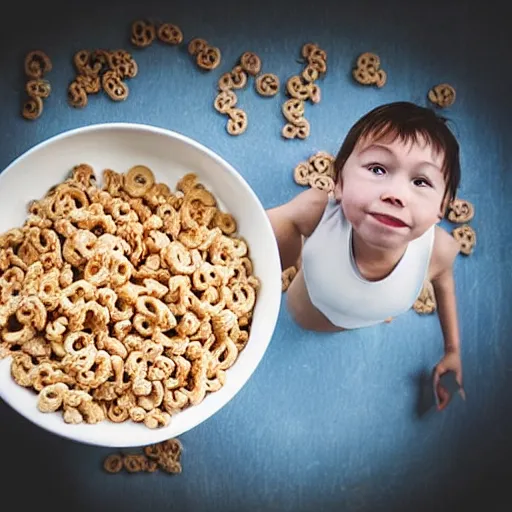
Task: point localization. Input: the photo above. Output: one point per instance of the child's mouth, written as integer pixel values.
(388, 220)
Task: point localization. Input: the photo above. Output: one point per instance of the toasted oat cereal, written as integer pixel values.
(127, 302)
(143, 33)
(368, 71)
(36, 65)
(287, 277)
(425, 304)
(442, 95)
(267, 84)
(101, 69)
(466, 237)
(460, 211)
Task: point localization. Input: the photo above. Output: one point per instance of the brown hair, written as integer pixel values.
(405, 121)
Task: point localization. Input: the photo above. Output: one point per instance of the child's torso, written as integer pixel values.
(336, 287)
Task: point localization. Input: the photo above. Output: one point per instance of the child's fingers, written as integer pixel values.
(443, 396)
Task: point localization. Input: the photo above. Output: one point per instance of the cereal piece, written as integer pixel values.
(209, 58)
(113, 463)
(195, 46)
(139, 180)
(442, 95)
(368, 59)
(296, 89)
(317, 59)
(302, 173)
(250, 63)
(170, 34)
(38, 88)
(225, 82)
(381, 78)
(310, 73)
(115, 88)
(287, 277)
(267, 84)
(37, 64)
(32, 108)
(425, 304)
(238, 77)
(289, 131)
(307, 49)
(293, 110)
(77, 96)
(323, 163)
(90, 83)
(134, 463)
(466, 237)
(367, 70)
(237, 122)
(460, 211)
(321, 182)
(225, 101)
(51, 397)
(143, 33)
(314, 93)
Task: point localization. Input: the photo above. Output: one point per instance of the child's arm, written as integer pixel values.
(444, 287)
(295, 219)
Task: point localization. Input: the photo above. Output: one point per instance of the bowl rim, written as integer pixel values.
(270, 321)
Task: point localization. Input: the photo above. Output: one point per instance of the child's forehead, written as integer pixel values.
(418, 147)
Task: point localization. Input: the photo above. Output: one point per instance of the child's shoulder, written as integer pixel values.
(307, 209)
(444, 251)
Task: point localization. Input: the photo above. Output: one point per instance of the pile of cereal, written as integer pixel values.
(127, 301)
(101, 69)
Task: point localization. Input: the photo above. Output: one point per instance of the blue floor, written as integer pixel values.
(327, 422)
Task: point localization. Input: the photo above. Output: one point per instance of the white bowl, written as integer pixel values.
(170, 155)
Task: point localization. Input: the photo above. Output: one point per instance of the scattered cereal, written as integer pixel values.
(143, 33)
(170, 34)
(302, 88)
(36, 65)
(466, 237)
(368, 71)
(318, 171)
(101, 69)
(207, 57)
(165, 456)
(460, 211)
(127, 302)
(267, 84)
(442, 95)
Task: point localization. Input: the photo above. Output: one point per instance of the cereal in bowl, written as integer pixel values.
(126, 301)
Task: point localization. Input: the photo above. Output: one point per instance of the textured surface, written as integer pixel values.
(327, 422)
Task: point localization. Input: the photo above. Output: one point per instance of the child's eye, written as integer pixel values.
(377, 169)
(421, 182)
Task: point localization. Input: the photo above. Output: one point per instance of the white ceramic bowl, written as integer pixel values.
(170, 155)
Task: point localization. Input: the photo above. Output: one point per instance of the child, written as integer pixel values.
(366, 249)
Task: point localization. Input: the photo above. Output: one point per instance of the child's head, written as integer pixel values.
(397, 170)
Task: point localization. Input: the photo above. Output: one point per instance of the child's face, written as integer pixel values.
(392, 191)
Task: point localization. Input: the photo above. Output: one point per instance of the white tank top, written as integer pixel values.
(336, 287)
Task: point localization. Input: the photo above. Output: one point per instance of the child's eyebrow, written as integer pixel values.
(377, 147)
(380, 147)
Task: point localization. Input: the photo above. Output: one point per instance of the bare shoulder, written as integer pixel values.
(444, 252)
(307, 209)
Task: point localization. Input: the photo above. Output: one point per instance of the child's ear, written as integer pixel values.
(444, 208)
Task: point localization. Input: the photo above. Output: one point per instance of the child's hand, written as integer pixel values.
(450, 362)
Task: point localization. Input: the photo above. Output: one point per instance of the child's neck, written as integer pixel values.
(375, 263)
